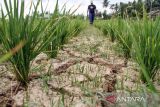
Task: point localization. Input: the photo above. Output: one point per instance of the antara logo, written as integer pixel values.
(111, 98)
(114, 99)
(118, 98)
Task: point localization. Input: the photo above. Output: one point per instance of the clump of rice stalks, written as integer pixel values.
(124, 38)
(117, 29)
(139, 40)
(59, 37)
(112, 31)
(108, 28)
(99, 24)
(30, 30)
(103, 26)
(105, 29)
(146, 36)
(65, 30)
(78, 25)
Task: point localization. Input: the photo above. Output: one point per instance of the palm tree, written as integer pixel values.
(114, 7)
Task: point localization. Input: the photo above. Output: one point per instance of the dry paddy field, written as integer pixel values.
(88, 66)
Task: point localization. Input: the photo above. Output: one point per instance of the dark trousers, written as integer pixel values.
(91, 18)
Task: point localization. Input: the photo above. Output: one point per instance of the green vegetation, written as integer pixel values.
(139, 40)
(65, 30)
(145, 38)
(28, 30)
(131, 9)
(34, 33)
(108, 28)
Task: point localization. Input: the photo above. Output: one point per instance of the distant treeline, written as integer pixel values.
(130, 9)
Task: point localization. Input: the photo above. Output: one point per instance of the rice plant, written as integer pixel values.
(112, 32)
(147, 47)
(65, 30)
(31, 30)
(104, 27)
(117, 30)
(124, 39)
(139, 40)
(78, 25)
(59, 37)
(108, 28)
(11, 53)
(98, 25)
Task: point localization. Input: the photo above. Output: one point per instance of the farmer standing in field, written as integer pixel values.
(91, 11)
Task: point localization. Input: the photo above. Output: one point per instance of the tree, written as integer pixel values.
(132, 9)
(105, 14)
(112, 6)
(148, 5)
(156, 4)
(105, 3)
(99, 14)
(122, 8)
(115, 8)
(139, 8)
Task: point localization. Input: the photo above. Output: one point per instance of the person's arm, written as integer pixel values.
(87, 11)
(95, 9)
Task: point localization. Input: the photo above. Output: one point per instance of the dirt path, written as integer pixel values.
(87, 64)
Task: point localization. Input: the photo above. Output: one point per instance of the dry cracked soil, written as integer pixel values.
(88, 64)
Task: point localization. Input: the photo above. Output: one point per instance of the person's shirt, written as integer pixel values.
(92, 8)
